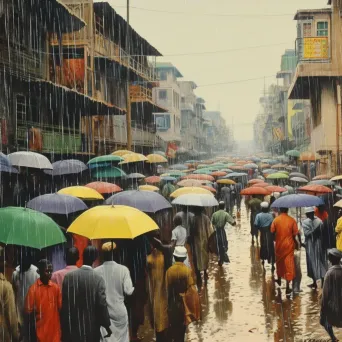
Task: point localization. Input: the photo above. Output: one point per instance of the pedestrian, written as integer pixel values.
(179, 236)
(315, 256)
(331, 305)
(118, 284)
(202, 230)
(312, 170)
(9, 325)
(71, 259)
(187, 218)
(84, 305)
(238, 188)
(219, 221)
(286, 230)
(338, 231)
(183, 300)
(329, 238)
(254, 205)
(226, 197)
(42, 305)
(167, 190)
(263, 222)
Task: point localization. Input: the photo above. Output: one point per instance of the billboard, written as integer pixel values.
(316, 48)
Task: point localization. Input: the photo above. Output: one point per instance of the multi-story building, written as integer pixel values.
(168, 95)
(317, 78)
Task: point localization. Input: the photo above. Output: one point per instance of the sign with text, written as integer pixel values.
(316, 48)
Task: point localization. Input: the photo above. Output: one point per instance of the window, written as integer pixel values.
(307, 30)
(162, 94)
(322, 29)
(163, 75)
(21, 107)
(162, 121)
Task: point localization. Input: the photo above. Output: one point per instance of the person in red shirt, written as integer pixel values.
(42, 305)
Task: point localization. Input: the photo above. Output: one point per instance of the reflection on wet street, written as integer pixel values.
(242, 303)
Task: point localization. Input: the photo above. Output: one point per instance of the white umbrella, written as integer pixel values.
(196, 200)
(30, 159)
(299, 180)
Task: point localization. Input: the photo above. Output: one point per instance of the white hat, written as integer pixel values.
(309, 210)
(264, 205)
(180, 252)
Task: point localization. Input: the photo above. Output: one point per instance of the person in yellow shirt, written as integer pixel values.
(338, 230)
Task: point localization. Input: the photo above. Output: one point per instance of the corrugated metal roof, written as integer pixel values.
(168, 65)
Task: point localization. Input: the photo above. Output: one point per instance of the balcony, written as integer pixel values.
(313, 50)
(140, 94)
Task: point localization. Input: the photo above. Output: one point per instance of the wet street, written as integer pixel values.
(242, 303)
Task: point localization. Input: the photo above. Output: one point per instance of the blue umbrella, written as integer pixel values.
(324, 182)
(297, 201)
(269, 171)
(8, 169)
(66, 167)
(235, 174)
(168, 179)
(146, 201)
(57, 204)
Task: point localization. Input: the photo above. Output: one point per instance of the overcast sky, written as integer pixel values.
(246, 26)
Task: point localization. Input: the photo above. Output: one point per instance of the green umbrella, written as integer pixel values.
(175, 174)
(203, 171)
(282, 171)
(202, 166)
(111, 172)
(30, 228)
(105, 159)
(277, 175)
(293, 153)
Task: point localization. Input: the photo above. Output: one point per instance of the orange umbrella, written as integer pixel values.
(152, 179)
(255, 190)
(265, 166)
(219, 174)
(275, 188)
(255, 181)
(315, 188)
(279, 166)
(200, 177)
(237, 167)
(104, 187)
(320, 177)
(309, 156)
(261, 185)
(208, 188)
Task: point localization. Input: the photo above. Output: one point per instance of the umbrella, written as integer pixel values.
(121, 153)
(146, 201)
(57, 204)
(152, 179)
(297, 201)
(112, 222)
(112, 172)
(338, 204)
(297, 174)
(261, 185)
(105, 159)
(336, 178)
(277, 175)
(196, 200)
(176, 174)
(279, 166)
(299, 180)
(148, 188)
(182, 150)
(156, 158)
(168, 179)
(82, 192)
(269, 171)
(282, 171)
(255, 181)
(320, 177)
(227, 170)
(255, 190)
(190, 182)
(309, 156)
(261, 178)
(226, 181)
(236, 174)
(219, 174)
(66, 167)
(190, 190)
(206, 171)
(317, 189)
(135, 176)
(209, 188)
(293, 153)
(200, 177)
(161, 153)
(265, 166)
(179, 167)
(133, 158)
(275, 188)
(104, 187)
(30, 228)
(8, 169)
(324, 182)
(251, 166)
(30, 159)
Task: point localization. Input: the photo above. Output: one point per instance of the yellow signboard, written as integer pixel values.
(316, 48)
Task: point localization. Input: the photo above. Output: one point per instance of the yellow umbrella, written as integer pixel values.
(121, 153)
(133, 158)
(156, 158)
(148, 188)
(225, 181)
(336, 178)
(190, 190)
(82, 192)
(112, 222)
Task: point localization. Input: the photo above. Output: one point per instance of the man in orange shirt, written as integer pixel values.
(286, 230)
(42, 305)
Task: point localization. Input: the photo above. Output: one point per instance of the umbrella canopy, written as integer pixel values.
(299, 180)
(320, 177)
(226, 181)
(112, 222)
(82, 192)
(104, 187)
(105, 159)
(121, 153)
(190, 182)
(152, 179)
(226, 170)
(66, 167)
(135, 176)
(179, 167)
(196, 200)
(168, 179)
(317, 189)
(255, 190)
(206, 171)
(255, 181)
(146, 201)
(190, 190)
(209, 188)
(236, 175)
(219, 174)
(293, 153)
(269, 171)
(200, 177)
(57, 204)
(156, 159)
(275, 188)
(148, 188)
(251, 166)
(298, 174)
(282, 171)
(8, 169)
(277, 175)
(265, 166)
(324, 182)
(279, 166)
(297, 201)
(309, 156)
(176, 174)
(133, 158)
(30, 228)
(336, 178)
(260, 185)
(30, 159)
(338, 204)
(161, 153)
(111, 172)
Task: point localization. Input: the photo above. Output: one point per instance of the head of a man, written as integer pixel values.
(310, 212)
(109, 251)
(334, 256)
(180, 254)
(72, 256)
(221, 205)
(284, 210)
(177, 221)
(321, 208)
(45, 270)
(90, 254)
(264, 207)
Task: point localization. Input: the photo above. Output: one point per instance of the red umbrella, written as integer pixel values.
(200, 177)
(274, 188)
(320, 177)
(208, 188)
(255, 190)
(261, 185)
(219, 174)
(315, 188)
(255, 181)
(104, 187)
(152, 179)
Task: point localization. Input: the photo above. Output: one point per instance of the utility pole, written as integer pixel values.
(128, 103)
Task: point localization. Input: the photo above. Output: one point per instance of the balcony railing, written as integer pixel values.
(313, 49)
(140, 94)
